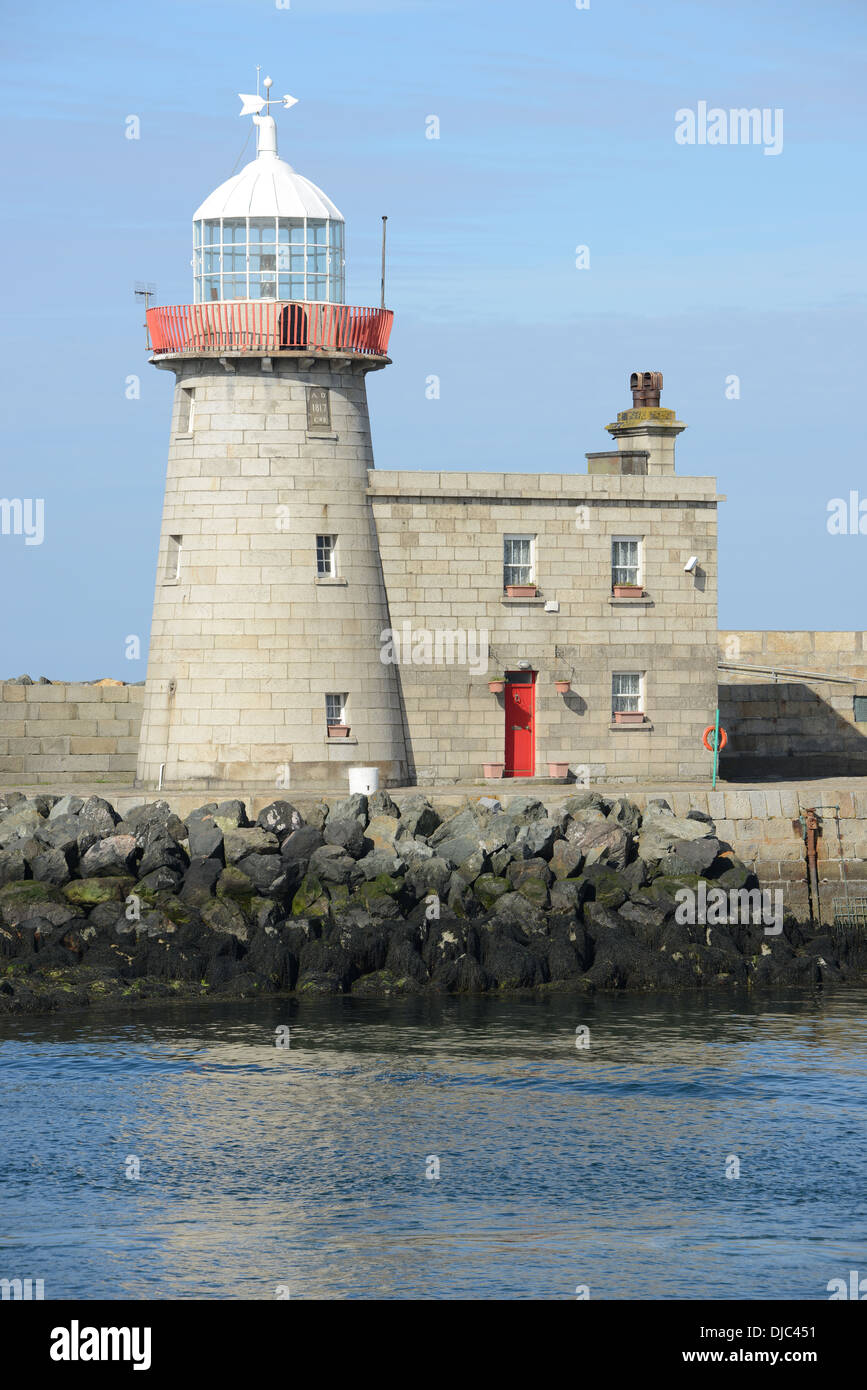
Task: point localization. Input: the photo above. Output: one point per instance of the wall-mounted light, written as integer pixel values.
(524, 665)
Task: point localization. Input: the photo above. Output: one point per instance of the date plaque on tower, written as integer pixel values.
(318, 408)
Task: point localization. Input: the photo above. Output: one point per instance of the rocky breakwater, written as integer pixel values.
(372, 898)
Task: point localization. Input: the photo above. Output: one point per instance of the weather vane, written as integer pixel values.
(252, 105)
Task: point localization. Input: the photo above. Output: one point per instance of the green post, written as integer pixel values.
(715, 747)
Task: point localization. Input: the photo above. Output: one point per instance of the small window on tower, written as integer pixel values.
(186, 410)
(173, 560)
(335, 711)
(326, 556)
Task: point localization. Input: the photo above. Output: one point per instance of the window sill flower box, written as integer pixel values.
(492, 770)
(496, 687)
(521, 590)
(338, 730)
(622, 716)
(628, 591)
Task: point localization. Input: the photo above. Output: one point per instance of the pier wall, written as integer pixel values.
(784, 725)
(53, 734)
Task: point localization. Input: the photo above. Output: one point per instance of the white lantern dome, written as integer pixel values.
(267, 232)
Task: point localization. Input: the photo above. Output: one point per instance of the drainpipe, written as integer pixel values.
(811, 827)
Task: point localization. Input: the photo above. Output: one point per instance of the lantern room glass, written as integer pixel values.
(286, 258)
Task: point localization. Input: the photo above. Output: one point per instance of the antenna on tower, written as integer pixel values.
(143, 289)
(382, 294)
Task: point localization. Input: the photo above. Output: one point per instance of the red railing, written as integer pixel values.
(252, 325)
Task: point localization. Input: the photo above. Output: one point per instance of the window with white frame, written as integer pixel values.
(519, 560)
(326, 556)
(627, 692)
(335, 709)
(626, 560)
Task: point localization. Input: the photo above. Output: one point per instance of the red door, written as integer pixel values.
(520, 732)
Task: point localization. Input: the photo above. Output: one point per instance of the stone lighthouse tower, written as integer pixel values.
(264, 668)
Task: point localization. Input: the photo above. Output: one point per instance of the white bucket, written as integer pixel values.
(364, 780)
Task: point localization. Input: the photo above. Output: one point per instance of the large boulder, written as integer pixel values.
(84, 893)
(352, 807)
(566, 859)
(205, 839)
(607, 885)
(200, 880)
(426, 876)
(317, 815)
(528, 871)
(489, 888)
(536, 840)
(116, 854)
(382, 830)
(70, 834)
(66, 806)
(300, 844)
(661, 830)
(160, 850)
(568, 894)
(231, 815)
(381, 861)
(160, 880)
(281, 818)
(226, 916)
(347, 833)
(381, 804)
(606, 843)
(418, 819)
(587, 806)
(150, 819)
(13, 865)
(19, 902)
(516, 911)
(411, 850)
(626, 814)
(470, 868)
(268, 874)
(310, 899)
(100, 815)
(331, 864)
(252, 839)
(20, 823)
(689, 856)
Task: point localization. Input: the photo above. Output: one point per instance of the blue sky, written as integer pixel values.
(556, 130)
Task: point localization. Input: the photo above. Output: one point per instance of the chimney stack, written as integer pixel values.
(648, 426)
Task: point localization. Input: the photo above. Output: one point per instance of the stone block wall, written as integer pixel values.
(247, 640)
(441, 540)
(52, 734)
(793, 725)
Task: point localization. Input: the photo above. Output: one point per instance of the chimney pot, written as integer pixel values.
(646, 388)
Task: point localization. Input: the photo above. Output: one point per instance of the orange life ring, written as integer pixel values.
(707, 738)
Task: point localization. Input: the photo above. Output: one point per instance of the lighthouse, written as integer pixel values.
(266, 664)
